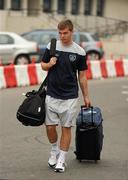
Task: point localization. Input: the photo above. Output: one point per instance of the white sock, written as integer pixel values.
(62, 156)
(55, 147)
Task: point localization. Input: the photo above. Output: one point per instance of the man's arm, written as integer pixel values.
(47, 66)
(84, 87)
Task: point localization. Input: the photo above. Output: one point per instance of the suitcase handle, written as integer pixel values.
(83, 107)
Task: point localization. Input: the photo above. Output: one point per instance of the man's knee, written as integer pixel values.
(66, 130)
(50, 127)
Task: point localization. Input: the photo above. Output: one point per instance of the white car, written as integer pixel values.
(15, 49)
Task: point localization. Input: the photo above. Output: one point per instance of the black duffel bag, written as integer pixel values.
(32, 110)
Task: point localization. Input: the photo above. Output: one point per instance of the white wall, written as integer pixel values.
(117, 9)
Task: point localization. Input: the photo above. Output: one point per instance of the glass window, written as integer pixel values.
(1, 4)
(100, 7)
(88, 7)
(75, 7)
(47, 5)
(74, 37)
(5, 39)
(16, 4)
(95, 37)
(32, 37)
(61, 7)
(83, 38)
(46, 37)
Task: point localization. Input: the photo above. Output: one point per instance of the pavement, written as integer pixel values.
(24, 151)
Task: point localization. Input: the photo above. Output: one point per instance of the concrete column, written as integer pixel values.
(24, 4)
(81, 7)
(25, 7)
(94, 7)
(7, 4)
(68, 7)
(54, 7)
(41, 7)
(4, 15)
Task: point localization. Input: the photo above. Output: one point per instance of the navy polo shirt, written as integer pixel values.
(62, 77)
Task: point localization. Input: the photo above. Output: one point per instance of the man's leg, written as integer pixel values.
(65, 138)
(64, 147)
(52, 136)
(52, 133)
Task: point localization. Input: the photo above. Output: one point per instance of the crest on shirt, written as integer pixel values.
(72, 57)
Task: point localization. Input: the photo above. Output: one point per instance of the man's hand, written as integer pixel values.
(84, 88)
(87, 102)
(47, 66)
(52, 61)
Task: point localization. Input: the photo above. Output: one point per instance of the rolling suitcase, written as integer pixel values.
(89, 134)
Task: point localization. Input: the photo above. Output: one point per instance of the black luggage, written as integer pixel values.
(89, 134)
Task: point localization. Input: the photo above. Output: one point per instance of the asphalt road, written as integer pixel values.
(24, 151)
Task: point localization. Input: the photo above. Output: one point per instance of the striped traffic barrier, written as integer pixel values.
(32, 74)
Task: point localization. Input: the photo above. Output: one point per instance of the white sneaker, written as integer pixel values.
(52, 160)
(60, 167)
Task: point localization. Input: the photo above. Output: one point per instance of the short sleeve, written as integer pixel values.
(46, 56)
(82, 63)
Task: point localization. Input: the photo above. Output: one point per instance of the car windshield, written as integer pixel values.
(95, 37)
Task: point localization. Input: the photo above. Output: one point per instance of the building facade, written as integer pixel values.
(90, 15)
(108, 18)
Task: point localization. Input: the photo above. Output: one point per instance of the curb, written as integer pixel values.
(32, 74)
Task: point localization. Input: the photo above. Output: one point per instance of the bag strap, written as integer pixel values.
(44, 84)
(82, 110)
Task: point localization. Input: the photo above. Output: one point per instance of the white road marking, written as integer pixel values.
(125, 87)
(124, 92)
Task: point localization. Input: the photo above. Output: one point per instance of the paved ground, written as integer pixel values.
(24, 150)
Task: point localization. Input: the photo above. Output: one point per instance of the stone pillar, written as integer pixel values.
(81, 7)
(4, 15)
(68, 7)
(54, 7)
(8, 4)
(94, 7)
(25, 7)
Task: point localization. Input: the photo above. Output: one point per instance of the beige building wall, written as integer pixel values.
(29, 19)
(117, 9)
(3, 20)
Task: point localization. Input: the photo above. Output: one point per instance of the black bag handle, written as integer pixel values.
(53, 47)
(82, 109)
(52, 54)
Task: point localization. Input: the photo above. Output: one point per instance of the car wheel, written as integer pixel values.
(93, 56)
(22, 59)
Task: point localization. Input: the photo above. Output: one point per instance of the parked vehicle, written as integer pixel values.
(15, 49)
(90, 42)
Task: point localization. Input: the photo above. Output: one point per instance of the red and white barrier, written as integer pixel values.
(107, 68)
(21, 75)
(25, 75)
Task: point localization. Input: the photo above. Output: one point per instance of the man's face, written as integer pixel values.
(65, 36)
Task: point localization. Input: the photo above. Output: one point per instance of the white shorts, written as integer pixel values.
(61, 111)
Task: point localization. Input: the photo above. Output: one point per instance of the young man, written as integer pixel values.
(62, 91)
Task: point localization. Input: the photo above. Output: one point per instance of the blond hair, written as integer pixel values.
(65, 24)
